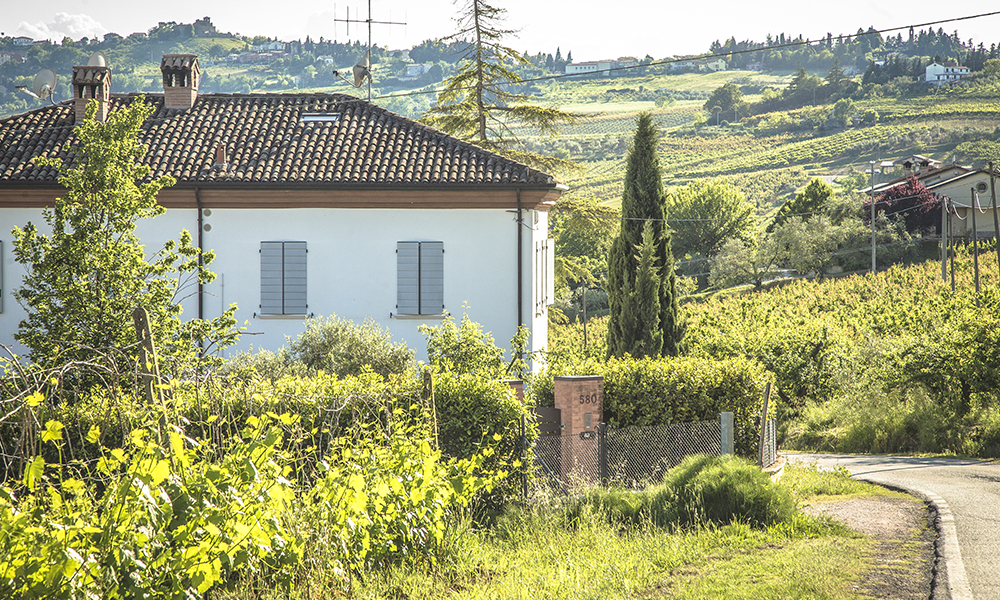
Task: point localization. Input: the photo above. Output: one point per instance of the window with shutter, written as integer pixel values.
(283, 278)
(419, 278)
(545, 256)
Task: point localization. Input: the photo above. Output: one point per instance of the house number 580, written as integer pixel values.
(588, 398)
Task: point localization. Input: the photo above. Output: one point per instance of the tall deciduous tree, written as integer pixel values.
(478, 103)
(642, 287)
(87, 276)
(704, 214)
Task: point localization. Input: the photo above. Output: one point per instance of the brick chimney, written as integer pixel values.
(180, 80)
(91, 83)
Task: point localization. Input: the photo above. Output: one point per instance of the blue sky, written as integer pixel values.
(591, 30)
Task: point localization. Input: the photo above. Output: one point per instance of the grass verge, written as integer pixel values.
(539, 552)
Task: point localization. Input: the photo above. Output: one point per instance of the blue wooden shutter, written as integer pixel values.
(271, 278)
(295, 279)
(283, 278)
(431, 278)
(419, 278)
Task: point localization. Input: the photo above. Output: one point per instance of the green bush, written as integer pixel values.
(473, 411)
(333, 345)
(340, 347)
(158, 518)
(466, 348)
(389, 501)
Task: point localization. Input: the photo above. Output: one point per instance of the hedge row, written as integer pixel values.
(664, 391)
(470, 411)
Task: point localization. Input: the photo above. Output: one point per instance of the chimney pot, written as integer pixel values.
(221, 162)
(91, 83)
(181, 73)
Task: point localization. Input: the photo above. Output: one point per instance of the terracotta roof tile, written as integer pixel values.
(266, 141)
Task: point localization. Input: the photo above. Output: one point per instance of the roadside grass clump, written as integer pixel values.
(701, 491)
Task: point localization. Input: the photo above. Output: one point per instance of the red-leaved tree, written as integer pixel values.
(920, 209)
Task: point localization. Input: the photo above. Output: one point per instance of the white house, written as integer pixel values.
(314, 204)
(942, 74)
(599, 67)
(965, 191)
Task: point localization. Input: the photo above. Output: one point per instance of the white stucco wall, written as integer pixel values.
(351, 266)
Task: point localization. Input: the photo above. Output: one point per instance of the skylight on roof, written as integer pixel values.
(320, 117)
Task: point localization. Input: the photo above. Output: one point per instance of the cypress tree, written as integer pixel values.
(644, 319)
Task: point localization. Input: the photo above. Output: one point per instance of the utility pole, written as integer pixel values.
(996, 219)
(944, 239)
(974, 208)
(872, 195)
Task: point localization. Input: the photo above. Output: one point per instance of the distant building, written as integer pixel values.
(941, 74)
(23, 41)
(6, 57)
(416, 70)
(598, 67)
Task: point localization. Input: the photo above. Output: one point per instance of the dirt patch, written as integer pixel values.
(904, 553)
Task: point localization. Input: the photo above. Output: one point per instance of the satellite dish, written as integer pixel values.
(362, 70)
(42, 86)
(97, 59)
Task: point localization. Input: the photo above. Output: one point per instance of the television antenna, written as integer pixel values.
(42, 86)
(363, 69)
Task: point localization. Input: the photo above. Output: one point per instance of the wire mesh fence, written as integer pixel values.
(635, 456)
(639, 456)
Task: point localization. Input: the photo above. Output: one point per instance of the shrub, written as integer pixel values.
(466, 348)
(471, 412)
(159, 518)
(340, 347)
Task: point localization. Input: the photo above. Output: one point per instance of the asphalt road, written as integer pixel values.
(967, 496)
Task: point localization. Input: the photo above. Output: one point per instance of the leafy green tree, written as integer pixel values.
(738, 262)
(479, 104)
(88, 275)
(808, 245)
(818, 196)
(704, 214)
(640, 253)
(803, 85)
(583, 231)
(728, 98)
(992, 67)
(843, 109)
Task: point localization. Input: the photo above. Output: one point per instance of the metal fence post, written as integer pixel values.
(602, 450)
(524, 460)
(726, 425)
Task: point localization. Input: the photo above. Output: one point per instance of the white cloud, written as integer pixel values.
(62, 25)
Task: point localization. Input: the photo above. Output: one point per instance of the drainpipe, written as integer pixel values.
(520, 223)
(201, 224)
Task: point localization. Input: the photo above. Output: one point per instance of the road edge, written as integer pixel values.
(955, 577)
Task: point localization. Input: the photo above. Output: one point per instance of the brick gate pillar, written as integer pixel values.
(581, 400)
